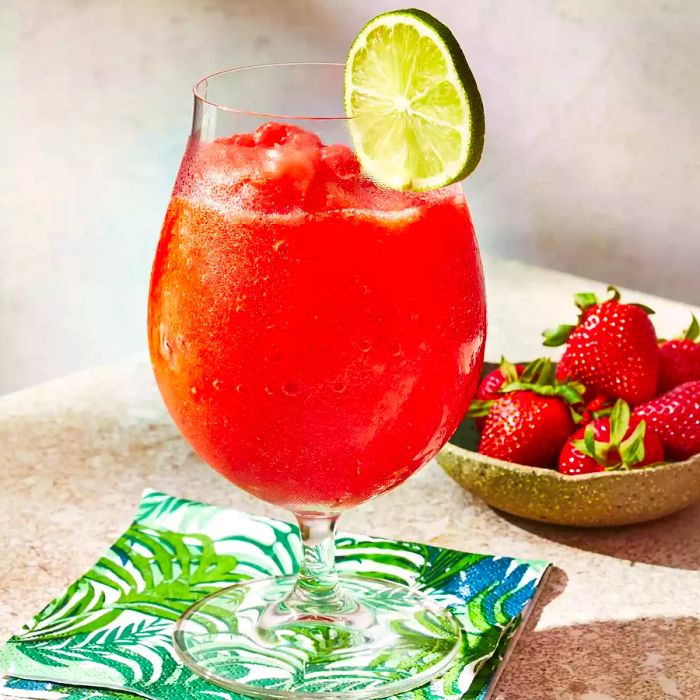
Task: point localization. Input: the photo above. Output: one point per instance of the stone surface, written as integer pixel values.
(618, 619)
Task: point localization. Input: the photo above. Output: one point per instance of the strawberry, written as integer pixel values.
(617, 442)
(598, 407)
(494, 381)
(527, 428)
(680, 358)
(530, 419)
(612, 350)
(675, 417)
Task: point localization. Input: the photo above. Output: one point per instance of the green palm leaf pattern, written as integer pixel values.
(155, 506)
(53, 691)
(121, 648)
(119, 616)
(488, 666)
(152, 572)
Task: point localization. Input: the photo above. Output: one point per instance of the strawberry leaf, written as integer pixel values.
(547, 373)
(614, 293)
(590, 447)
(632, 449)
(584, 300)
(527, 386)
(538, 372)
(646, 309)
(479, 409)
(553, 337)
(602, 412)
(692, 331)
(571, 392)
(581, 446)
(508, 370)
(575, 415)
(532, 371)
(539, 376)
(619, 422)
(589, 439)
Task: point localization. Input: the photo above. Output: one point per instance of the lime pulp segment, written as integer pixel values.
(417, 120)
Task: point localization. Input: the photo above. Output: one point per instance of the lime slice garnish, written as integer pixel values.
(417, 120)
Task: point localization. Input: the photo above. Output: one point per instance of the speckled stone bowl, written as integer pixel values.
(588, 500)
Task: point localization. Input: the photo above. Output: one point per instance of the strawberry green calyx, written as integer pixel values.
(479, 409)
(692, 331)
(554, 337)
(588, 445)
(619, 422)
(584, 300)
(559, 335)
(615, 296)
(539, 371)
(539, 377)
(630, 449)
(570, 392)
(646, 309)
(508, 370)
(614, 293)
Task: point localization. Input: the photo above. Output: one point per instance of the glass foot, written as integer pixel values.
(385, 639)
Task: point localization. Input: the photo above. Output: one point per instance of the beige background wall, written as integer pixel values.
(592, 162)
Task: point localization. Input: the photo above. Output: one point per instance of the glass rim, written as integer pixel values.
(197, 90)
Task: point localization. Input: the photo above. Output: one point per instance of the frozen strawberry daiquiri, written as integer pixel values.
(316, 337)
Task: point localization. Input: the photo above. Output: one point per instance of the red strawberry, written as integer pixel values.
(531, 418)
(494, 381)
(680, 358)
(612, 350)
(526, 428)
(609, 444)
(675, 417)
(599, 407)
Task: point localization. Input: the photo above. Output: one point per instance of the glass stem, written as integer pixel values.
(317, 589)
(317, 595)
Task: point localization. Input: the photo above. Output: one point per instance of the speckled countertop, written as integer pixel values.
(619, 617)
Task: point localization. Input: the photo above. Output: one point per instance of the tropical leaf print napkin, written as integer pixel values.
(109, 636)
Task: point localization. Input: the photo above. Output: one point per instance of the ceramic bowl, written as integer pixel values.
(587, 500)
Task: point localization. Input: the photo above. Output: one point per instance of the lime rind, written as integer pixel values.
(417, 119)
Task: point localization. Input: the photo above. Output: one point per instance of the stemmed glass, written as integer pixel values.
(317, 339)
